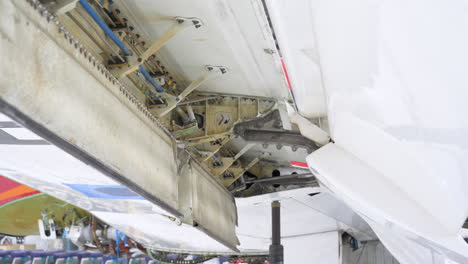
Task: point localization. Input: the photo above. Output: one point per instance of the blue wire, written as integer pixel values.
(150, 80)
(89, 9)
(104, 27)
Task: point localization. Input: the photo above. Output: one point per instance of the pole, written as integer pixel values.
(276, 249)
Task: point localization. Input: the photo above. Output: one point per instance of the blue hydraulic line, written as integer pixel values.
(89, 9)
(150, 80)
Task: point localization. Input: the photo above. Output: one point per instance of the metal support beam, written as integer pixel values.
(227, 182)
(276, 249)
(180, 24)
(108, 134)
(190, 113)
(230, 161)
(244, 150)
(211, 72)
(221, 144)
(204, 139)
(268, 129)
(304, 178)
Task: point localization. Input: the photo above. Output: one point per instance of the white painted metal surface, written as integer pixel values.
(293, 26)
(301, 214)
(395, 82)
(313, 248)
(234, 34)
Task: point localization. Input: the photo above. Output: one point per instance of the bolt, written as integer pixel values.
(279, 147)
(228, 174)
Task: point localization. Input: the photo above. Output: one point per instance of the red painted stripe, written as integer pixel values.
(7, 184)
(11, 190)
(299, 164)
(286, 75)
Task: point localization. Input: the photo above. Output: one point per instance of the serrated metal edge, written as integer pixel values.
(101, 68)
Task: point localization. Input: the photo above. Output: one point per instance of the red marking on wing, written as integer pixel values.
(11, 190)
(286, 75)
(299, 164)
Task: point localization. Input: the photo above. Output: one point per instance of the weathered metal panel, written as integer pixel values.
(55, 89)
(214, 209)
